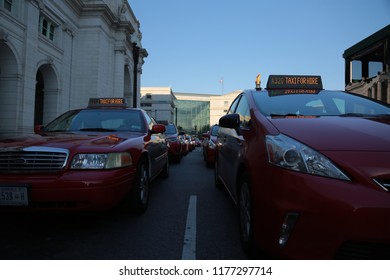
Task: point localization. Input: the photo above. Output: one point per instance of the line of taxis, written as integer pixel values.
(309, 170)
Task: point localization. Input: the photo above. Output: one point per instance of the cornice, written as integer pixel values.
(40, 3)
(104, 11)
(75, 5)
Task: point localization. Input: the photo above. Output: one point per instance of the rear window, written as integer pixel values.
(170, 129)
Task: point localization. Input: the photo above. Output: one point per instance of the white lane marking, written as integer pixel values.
(189, 246)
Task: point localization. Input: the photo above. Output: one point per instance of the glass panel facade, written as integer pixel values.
(193, 117)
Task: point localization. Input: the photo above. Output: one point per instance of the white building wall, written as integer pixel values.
(160, 102)
(219, 105)
(91, 55)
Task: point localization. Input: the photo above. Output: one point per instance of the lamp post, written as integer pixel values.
(135, 72)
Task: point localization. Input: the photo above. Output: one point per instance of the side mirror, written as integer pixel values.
(157, 128)
(38, 128)
(230, 121)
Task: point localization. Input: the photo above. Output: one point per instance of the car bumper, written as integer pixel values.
(174, 149)
(335, 218)
(210, 155)
(74, 190)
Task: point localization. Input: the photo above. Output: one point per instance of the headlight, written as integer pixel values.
(288, 153)
(101, 161)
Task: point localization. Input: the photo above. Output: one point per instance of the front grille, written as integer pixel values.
(33, 159)
(353, 250)
(383, 183)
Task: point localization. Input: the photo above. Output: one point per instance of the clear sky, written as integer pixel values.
(193, 44)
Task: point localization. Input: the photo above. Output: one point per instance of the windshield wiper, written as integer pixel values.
(292, 116)
(359, 115)
(56, 130)
(97, 129)
(284, 115)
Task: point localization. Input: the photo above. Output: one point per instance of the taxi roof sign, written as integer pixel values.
(294, 82)
(107, 102)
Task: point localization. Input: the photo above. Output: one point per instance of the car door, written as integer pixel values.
(156, 147)
(232, 144)
(223, 164)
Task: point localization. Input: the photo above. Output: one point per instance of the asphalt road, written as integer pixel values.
(187, 218)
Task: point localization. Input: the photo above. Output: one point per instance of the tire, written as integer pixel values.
(139, 197)
(245, 208)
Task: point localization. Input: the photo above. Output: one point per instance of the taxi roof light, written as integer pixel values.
(294, 82)
(107, 102)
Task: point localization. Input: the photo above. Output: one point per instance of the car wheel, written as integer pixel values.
(246, 214)
(139, 196)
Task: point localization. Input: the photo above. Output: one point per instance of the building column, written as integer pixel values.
(347, 77)
(119, 71)
(31, 11)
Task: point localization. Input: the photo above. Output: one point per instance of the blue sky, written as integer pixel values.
(192, 45)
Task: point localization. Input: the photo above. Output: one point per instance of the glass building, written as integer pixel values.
(193, 113)
(192, 116)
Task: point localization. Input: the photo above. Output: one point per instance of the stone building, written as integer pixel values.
(367, 66)
(56, 54)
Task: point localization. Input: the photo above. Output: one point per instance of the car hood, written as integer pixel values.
(67, 141)
(338, 133)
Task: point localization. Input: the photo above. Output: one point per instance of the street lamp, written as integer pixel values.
(135, 83)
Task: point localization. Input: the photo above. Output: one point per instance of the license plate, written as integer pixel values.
(13, 196)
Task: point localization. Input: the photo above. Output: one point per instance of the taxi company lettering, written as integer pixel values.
(111, 101)
(292, 80)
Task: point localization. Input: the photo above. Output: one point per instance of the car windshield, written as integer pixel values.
(170, 129)
(322, 103)
(98, 120)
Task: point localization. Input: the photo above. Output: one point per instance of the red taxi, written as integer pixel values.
(209, 145)
(176, 145)
(309, 170)
(86, 159)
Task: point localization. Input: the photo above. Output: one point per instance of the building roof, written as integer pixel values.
(192, 96)
(368, 46)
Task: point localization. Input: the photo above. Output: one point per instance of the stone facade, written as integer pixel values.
(367, 66)
(56, 54)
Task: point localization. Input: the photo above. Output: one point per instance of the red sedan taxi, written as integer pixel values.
(87, 159)
(209, 145)
(309, 170)
(176, 145)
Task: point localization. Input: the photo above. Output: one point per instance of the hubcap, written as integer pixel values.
(143, 188)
